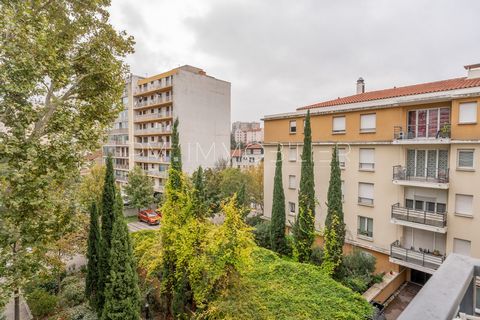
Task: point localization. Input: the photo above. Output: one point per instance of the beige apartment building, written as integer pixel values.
(141, 135)
(410, 159)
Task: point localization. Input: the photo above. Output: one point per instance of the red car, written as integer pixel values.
(149, 216)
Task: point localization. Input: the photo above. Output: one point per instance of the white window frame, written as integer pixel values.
(368, 129)
(339, 130)
(290, 205)
(292, 129)
(342, 157)
(473, 159)
(466, 209)
(292, 181)
(292, 154)
(366, 166)
(364, 199)
(362, 227)
(466, 109)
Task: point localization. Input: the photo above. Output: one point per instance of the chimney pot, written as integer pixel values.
(360, 85)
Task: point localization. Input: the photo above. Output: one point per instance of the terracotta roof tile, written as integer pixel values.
(437, 86)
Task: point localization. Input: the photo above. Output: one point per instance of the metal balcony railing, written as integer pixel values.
(431, 259)
(422, 131)
(419, 216)
(151, 87)
(155, 115)
(121, 166)
(152, 102)
(118, 131)
(153, 131)
(151, 159)
(159, 174)
(420, 174)
(156, 145)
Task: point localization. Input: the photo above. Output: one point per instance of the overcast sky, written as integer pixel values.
(280, 55)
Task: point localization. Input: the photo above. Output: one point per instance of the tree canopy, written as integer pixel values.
(139, 190)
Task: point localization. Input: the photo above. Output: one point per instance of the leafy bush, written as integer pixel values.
(81, 312)
(357, 283)
(72, 291)
(317, 256)
(255, 220)
(42, 303)
(262, 234)
(357, 271)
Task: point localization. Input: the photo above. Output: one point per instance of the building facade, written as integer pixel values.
(247, 132)
(142, 133)
(410, 157)
(250, 156)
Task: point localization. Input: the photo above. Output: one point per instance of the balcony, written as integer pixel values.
(153, 116)
(419, 260)
(421, 177)
(431, 221)
(153, 131)
(422, 134)
(121, 166)
(116, 143)
(118, 131)
(158, 174)
(154, 159)
(152, 145)
(152, 102)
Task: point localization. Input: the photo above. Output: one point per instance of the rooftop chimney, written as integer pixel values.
(473, 71)
(360, 85)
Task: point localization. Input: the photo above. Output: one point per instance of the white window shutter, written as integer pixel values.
(367, 155)
(463, 204)
(339, 124)
(461, 246)
(368, 122)
(467, 112)
(365, 190)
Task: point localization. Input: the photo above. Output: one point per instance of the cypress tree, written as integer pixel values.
(93, 251)
(122, 295)
(199, 193)
(334, 199)
(277, 226)
(108, 220)
(304, 228)
(176, 159)
(332, 248)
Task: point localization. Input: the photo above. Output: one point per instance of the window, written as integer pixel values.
(368, 122)
(365, 227)
(342, 157)
(465, 159)
(365, 193)
(367, 159)
(292, 154)
(343, 190)
(464, 204)
(461, 246)
(291, 208)
(339, 124)
(467, 112)
(292, 182)
(293, 126)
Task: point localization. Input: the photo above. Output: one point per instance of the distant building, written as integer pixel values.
(250, 156)
(245, 126)
(142, 133)
(248, 135)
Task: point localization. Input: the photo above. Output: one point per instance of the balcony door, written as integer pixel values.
(430, 163)
(426, 123)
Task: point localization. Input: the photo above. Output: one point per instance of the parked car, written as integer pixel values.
(149, 216)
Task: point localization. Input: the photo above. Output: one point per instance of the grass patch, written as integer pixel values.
(274, 288)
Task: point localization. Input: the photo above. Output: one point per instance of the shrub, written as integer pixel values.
(255, 220)
(42, 303)
(72, 291)
(357, 283)
(81, 312)
(316, 257)
(262, 234)
(357, 263)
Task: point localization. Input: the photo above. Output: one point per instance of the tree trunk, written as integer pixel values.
(16, 304)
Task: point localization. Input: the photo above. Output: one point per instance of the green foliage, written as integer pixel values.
(262, 234)
(332, 249)
(122, 296)
(334, 202)
(90, 187)
(62, 76)
(139, 189)
(80, 312)
(304, 228)
(357, 271)
(279, 242)
(42, 303)
(72, 291)
(274, 288)
(200, 194)
(317, 256)
(93, 255)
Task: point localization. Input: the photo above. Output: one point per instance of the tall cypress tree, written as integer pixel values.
(304, 228)
(108, 220)
(199, 193)
(334, 199)
(122, 295)
(93, 252)
(176, 159)
(277, 226)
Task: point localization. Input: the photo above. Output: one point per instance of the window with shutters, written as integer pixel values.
(365, 227)
(365, 194)
(465, 159)
(291, 208)
(292, 154)
(467, 113)
(464, 204)
(292, 182)
(293, 126)
(339, 124)
(367, 159)
(368, 123)
(461, 246)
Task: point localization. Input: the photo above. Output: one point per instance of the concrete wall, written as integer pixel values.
(202, 105)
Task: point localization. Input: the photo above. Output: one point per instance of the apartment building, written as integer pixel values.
(410, 160)
(250, 156)
(142, 133)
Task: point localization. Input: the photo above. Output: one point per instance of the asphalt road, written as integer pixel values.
(137, 226)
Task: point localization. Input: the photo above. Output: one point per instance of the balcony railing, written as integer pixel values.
(418, 216)
(153, 131)
(119, 155)
(420, 174)
(155, 115)
(118, 131)
(159, 174)
(121, 166)
(116, 143)
(152, 102)
(151, 159)
(365, 233)
(422, 131)
(422, 257)
(152, 145)
(151, 87)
